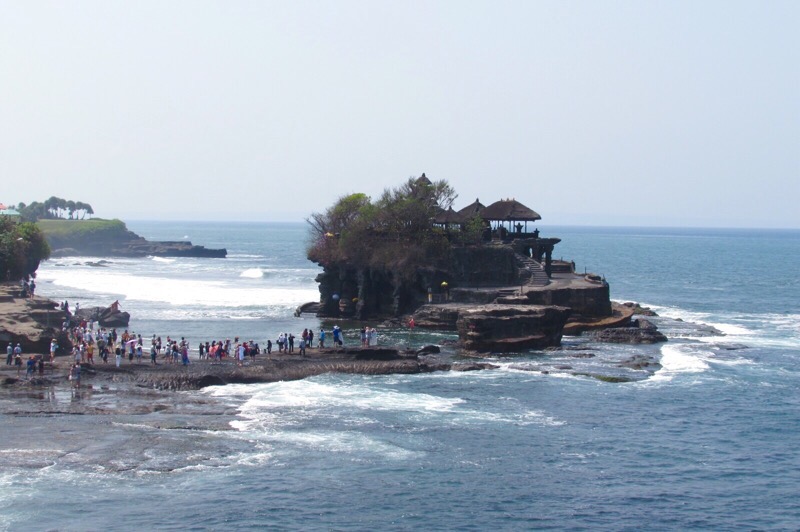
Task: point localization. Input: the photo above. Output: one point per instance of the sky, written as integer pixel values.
(642, 113)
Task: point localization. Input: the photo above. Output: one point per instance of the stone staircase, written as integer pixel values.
(531, 272)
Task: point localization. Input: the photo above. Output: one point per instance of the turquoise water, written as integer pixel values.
(708, 442)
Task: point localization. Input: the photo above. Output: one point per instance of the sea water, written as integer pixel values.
(707, 442)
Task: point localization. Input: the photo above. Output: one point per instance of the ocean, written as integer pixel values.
(707, 442)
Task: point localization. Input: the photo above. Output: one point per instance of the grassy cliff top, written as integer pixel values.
(64, 228)
(65, 233)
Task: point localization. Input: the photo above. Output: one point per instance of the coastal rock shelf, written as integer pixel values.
(265, 369)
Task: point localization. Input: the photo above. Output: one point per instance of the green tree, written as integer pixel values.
(394, 233)
(22, 248)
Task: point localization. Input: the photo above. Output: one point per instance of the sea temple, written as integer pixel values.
(484, 271)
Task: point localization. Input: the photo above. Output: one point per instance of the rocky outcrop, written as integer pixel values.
(104, 316)
(505, 328)
(438, 317)
(620, 317)
(499, 328)
(641, 331)
(638, 309)
(30, 322)
(591, 300)
(139, 248)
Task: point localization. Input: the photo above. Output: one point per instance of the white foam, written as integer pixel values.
(176, 291)
(309, 393)
(162, 259)
(731, 329)
(678, 359)
(252, 273)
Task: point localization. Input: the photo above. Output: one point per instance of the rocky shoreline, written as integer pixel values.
(263, 369)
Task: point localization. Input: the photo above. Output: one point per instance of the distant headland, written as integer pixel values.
(111, 238)
(68, 233)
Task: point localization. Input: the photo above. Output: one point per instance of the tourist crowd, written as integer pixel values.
(108, 343)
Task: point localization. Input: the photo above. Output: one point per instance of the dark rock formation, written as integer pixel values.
(140, 248)
(641, 362)
(31, 322)
(472, 366)
(428, 350)
(438, 317)
(639, 310)
(104, 316)
(640, 332)
(589, 301)
(366, 293)
(503, 328)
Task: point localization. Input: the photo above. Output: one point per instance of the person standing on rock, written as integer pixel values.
(302, 350)
(30, 367)
(310, 338)
(240, 354)
(18, 363)
(321, 338)
(9, 354)
(53, 348)
(75, 376)
(118, 353)
(90, 353)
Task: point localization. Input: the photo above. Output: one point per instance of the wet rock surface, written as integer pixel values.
(640, 332)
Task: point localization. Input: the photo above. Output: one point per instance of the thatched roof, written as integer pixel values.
(472, 209)
(449, 217)
(509, 210)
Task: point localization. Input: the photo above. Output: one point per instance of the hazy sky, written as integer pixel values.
(599, 113)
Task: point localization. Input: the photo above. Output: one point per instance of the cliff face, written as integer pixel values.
(592, 301)
(111, 238)
(367, 293)
(503, 328)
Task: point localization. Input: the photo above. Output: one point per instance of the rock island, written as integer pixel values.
(484, 271)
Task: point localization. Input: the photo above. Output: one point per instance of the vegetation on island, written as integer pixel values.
(22, 247)
(54, 208)
(74, 233)
(393, 233)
